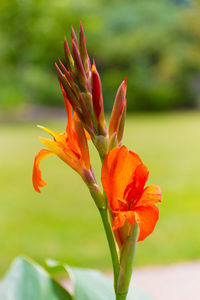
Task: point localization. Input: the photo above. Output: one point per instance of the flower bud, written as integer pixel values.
(120, 131)
(118, 107)
(68, 56)
(97, 99)
(79, 66)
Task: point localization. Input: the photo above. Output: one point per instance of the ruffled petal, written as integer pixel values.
(150, 195)
(118, 169)
(118, 221)
(37, 175)
(134, 190)
(121, 217)
(146, 217)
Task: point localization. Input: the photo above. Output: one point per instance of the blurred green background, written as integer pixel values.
(156, 44)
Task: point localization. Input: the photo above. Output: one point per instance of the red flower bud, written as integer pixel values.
(118, 108)
(73, 35)
(97, 99)
(96, 92)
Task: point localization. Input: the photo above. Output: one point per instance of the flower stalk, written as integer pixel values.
(112, 246)
(127, 208)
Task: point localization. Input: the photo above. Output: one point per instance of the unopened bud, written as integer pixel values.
(97, 99)
(118, 107)
(68, 56)
(79, 66)
(120, 131)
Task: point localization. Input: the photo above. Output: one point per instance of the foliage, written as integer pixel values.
(154, 43)
(27, 280)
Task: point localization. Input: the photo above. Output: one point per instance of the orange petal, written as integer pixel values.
(117, 172)
(120, 219)
(88, 137)
(68, 110)
(134, 190)
(37, 175)
(150, 195)
(146, 217)
(82, 141)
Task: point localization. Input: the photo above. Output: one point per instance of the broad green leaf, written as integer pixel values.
(92, 284)
(28, 281)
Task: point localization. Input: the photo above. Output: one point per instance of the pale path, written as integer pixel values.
(173, 282)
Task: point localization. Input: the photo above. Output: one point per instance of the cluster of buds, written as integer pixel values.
(82, 84)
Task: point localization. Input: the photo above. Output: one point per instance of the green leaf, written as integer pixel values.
(92, 284)
(28, 281)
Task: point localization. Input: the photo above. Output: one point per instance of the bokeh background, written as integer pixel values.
(156, 44)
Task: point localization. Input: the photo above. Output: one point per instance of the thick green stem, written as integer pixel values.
(121, 297)
(126, 262)
(112, 245)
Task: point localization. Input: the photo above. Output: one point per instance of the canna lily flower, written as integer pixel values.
(123, 178)
(70, 146)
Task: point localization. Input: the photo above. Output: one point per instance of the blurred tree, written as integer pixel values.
(154, 43)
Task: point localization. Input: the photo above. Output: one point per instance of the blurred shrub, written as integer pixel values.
(154, 43)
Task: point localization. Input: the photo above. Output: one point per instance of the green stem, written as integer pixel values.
(121, 297)
(126, 262)
(112, 245)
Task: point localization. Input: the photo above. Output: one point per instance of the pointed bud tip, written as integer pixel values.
(81, 26)
(124, 82)
(94, 70)
(57, 68)
(73, 44)
(93, 62)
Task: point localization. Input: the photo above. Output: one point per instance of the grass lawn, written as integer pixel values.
(63, 223)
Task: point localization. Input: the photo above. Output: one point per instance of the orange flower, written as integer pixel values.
(123, 178)
(70, 146)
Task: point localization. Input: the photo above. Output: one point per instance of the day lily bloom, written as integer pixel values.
(123, 178)
(70, 146)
